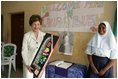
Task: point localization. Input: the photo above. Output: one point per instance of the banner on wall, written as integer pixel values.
(43, 54)
(72, 16)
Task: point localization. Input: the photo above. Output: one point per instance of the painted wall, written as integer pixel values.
(80, 38)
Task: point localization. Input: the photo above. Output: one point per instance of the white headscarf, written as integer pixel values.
(106, 41)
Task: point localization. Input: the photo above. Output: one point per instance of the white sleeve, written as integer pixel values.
(88, 50)
(25, 50)
(113, 54)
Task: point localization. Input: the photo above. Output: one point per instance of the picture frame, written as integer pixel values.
(43, 54)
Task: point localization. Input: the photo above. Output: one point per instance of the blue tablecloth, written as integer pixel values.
(74, 71)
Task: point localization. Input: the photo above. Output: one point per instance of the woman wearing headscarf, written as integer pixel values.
(102, 52)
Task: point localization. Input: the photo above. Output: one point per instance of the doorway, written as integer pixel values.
(2, 28)
(17, 32)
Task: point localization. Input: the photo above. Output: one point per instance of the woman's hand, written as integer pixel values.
(29, 68)
(95, 70)
(101, 72)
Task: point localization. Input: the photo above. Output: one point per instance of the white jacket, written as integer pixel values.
(29, 48)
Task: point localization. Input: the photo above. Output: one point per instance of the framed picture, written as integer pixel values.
(43, 54)
(66, 43)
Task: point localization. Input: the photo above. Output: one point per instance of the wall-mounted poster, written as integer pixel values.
(77, 16)
(66, 43)
(43, 54)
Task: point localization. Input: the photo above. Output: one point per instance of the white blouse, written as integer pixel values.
(111, 54)
(30, 46)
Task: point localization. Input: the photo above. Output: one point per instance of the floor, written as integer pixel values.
(17, 74)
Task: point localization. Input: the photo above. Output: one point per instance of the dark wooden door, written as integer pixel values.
(17, 32)
(2, 28)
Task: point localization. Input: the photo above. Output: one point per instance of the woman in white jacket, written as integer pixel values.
(31, 43)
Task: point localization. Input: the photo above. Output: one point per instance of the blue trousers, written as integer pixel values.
(100, 63)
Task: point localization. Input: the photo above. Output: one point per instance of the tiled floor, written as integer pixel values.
(17, 74)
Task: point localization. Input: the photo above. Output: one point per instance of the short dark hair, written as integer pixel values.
(34, 18)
